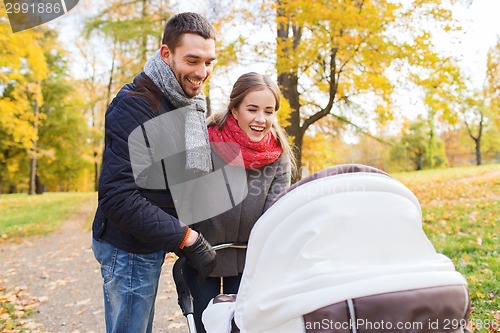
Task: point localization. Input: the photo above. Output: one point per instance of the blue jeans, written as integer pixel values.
(203, 293)
(130, 287)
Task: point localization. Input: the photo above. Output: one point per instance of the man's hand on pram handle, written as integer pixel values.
(200, 255)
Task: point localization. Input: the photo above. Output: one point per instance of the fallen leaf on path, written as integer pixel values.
(176, 325)
(176, 315)
(84, 302)
(43, 299)
(15, 304)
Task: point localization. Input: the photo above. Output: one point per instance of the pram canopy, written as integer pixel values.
(347, 232)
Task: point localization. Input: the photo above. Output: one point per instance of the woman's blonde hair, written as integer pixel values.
(244, 85)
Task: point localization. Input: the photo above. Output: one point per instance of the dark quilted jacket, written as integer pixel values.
(131, 218)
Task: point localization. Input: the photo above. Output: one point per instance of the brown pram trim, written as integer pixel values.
(437, 309)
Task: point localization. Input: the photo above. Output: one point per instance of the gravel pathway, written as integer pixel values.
(60, 271)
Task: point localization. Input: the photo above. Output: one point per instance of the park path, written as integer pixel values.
(61, 273)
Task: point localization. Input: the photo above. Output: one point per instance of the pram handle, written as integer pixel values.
(184, 298)
(229, 246)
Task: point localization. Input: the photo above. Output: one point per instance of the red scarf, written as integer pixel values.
(231, 144)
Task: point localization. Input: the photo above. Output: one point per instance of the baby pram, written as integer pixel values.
(343, 250)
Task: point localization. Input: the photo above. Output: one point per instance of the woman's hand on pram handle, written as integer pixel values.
(200, 255)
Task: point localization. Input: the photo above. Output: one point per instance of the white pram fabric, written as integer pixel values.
(334, 239)
(218, 317)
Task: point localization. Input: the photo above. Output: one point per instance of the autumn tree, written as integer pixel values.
(368, 150)
(458, 145)
(133, 31)
(43, 132)
(331, 55)
(492, 87)
(130, 31)
(65, 155)
(124, 34)
(94, 89)
(480, 109)
(411, 152)
(442, 91)
(322, 148)
(473, 110)
(22, 68)
(223, 16)
(492, 95)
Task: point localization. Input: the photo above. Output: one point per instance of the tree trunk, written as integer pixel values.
(32, 185)
(111, 73)
(477, 139)
(289, 88)
(144, 14)
(288, 81)
(420, 162)
(478, 151)
(95, 153)
(289, 36)
(298, 155)
(39, 188)
(209, 106)
(96, 172)
(108, 101)
(431, 145)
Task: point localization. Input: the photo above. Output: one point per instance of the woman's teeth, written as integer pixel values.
(257, 128)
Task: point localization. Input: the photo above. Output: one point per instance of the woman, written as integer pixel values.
(250, 124)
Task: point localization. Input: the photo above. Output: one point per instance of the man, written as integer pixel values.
(134, 227)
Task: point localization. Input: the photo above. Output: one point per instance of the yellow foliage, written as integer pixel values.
(493, 82)
(23, 67)
(321, 150)
(284, 112)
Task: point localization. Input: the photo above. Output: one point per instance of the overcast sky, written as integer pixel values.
(481, 30)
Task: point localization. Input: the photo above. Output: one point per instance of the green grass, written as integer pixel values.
(25, 215)
(461, 215)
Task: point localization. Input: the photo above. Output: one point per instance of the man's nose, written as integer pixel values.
(201, 71)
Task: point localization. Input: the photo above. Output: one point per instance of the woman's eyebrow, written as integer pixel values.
(256, 106)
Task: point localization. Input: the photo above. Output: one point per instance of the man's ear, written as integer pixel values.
(165, 53)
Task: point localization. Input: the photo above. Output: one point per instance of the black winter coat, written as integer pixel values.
(129, 217)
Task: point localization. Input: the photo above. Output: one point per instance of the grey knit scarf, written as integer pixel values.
(198, 155)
